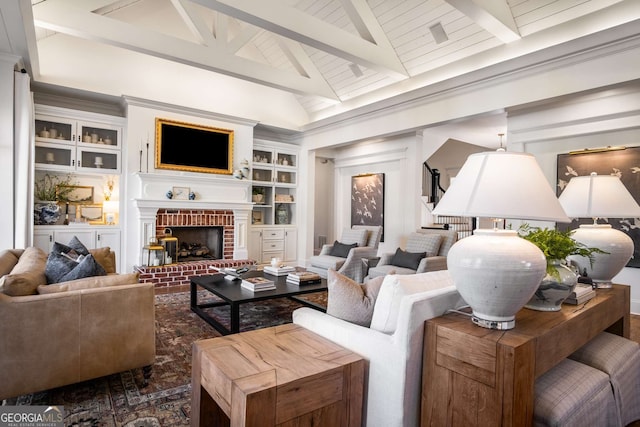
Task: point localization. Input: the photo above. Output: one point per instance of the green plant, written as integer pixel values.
(258, 190)
(556, 244)
(46, 188)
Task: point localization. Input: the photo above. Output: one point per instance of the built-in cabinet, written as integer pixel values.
(88, 148)
(70, 145)
(270, 242)
(274, 175)
(45, 235)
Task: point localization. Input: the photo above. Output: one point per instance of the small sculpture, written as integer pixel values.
(169, 194)
(192, 195)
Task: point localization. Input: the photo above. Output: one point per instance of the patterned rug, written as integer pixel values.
(120, 399)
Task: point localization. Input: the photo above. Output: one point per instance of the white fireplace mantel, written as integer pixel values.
(212, 193)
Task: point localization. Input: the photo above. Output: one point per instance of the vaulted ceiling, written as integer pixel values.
(332, 55)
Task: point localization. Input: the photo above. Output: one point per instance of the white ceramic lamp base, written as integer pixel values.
(605, 266)
(496, 272)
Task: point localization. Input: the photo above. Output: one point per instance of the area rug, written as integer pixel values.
(121, 400)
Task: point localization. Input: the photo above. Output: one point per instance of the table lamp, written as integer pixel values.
(600, 196)
(496, 271)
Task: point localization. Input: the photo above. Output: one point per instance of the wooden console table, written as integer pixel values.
(474, 376)
(284, 375)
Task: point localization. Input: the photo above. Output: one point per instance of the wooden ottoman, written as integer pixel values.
(273, 376)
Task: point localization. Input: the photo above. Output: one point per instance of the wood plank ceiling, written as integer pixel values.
(325, 51)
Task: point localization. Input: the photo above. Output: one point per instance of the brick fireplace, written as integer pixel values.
(221, 201)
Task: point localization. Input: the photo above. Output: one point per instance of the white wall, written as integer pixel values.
(324, 200)
(6, 151)
(610, 117)
(398, 159)
(141, 117)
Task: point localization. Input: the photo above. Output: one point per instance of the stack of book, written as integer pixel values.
(282, 270)
(303, 278)
(581, 294)
(257, 284)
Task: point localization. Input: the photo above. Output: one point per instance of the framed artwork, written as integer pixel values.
(78, 194)
(623, 163)
(91, 213)
(180, 193)
(367, 200)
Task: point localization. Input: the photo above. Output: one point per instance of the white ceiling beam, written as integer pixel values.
(493, 15)
(221, 28)
(294, 24)
(194, 22)
(247, 33)
(79, 22)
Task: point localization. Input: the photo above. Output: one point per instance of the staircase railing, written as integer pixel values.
(434, 192)
(431, 184)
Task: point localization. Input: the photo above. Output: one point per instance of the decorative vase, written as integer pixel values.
(46, 213)
(554, 288)
(282, 214)
(258, 198)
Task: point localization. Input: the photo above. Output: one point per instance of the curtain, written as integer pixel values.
(24, 140)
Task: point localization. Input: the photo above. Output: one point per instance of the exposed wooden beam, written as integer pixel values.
(493, 15)
(73, 19)
(294, 24)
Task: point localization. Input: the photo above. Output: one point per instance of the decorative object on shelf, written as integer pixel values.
(244, 166)
(46, 213)
(44, 133)
(110, 209)
(181, 193)
(91, 213)
(560, 280)
(282, 214)
(496, 271)
(98, 162)
(50, 158)
(53, 133)
(192, 195)
(237, 174)
(153, 254)
(169, 194)
(94, 138)
(601, 196)
(108, 141)
(86, 137)
(257, 195)
(284, 198)
(256, 218)
(367, 200)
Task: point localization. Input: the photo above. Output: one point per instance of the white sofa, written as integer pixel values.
(393, 343)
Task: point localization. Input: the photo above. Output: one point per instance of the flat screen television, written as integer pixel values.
(194, 148)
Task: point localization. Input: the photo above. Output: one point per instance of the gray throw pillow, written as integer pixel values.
(351, 301)
(341, 249)
(61, 260)
(87, 267)
(407, 259)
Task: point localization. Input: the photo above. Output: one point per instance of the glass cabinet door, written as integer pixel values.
(97, 160)
(54, 129)
(98, 134)
(59, 157)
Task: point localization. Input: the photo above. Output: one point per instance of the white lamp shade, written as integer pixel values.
(598, 196)
(501, 184)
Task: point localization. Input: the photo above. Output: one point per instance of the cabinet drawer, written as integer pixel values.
(272, 245)
(273, 234)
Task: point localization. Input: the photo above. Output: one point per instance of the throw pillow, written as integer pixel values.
(64, 259)
(105, 258)
(351, 301)
(26, 275)
(8, 259)
(87, 267)
(341, 249)
(407, 259)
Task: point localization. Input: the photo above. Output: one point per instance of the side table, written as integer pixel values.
(272, 376)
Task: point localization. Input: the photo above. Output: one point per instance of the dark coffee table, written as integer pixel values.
(234, 295)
